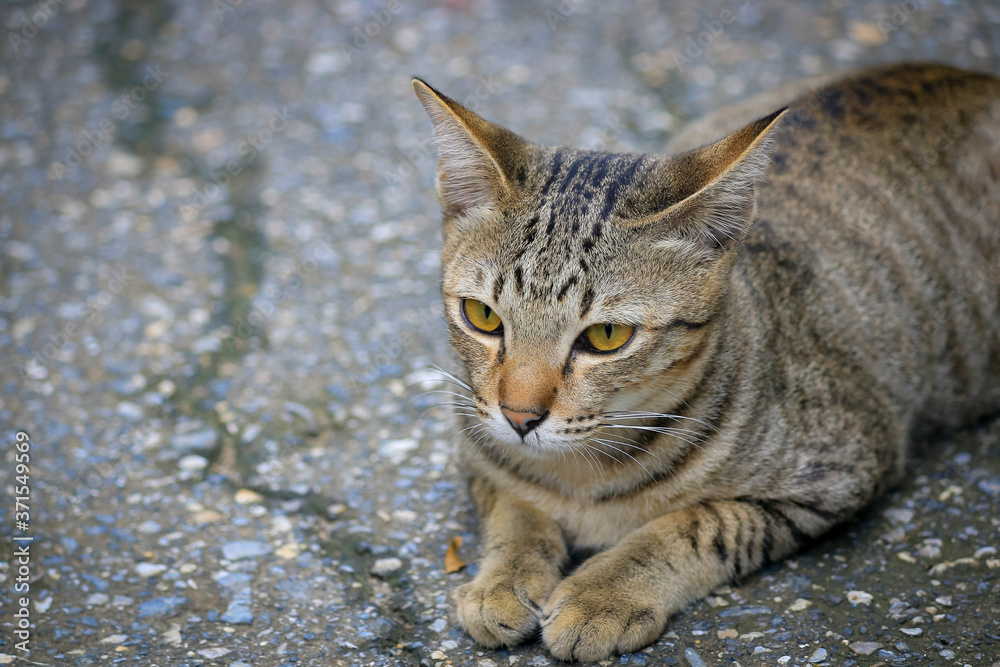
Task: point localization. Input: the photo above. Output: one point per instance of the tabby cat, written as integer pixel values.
(693, 364)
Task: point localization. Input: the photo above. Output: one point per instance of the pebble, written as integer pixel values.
(149, 527)
(985, 551)
(439, 625)
(192, 463)
(799, 605)
(398, 449)
(692, 657)
(384, 566)
(212, 653)
(114, 639)
(247, 497)
(865, 648)
(729, 633)
(943, 600)
(818, 656)
(913, 632)
(197, 442)
(245, 549)
(97, 599)
(149, 569)
(859, 597)
(438, 655)
(161, 606)
(238, 613)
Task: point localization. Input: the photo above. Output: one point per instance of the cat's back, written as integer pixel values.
(878, 234)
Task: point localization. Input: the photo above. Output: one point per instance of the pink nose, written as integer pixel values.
(522, 422)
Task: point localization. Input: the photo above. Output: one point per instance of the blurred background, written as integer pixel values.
(218, 312)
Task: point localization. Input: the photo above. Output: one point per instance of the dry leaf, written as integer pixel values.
(452, 563)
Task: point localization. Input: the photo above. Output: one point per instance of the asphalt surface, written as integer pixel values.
(218, 286)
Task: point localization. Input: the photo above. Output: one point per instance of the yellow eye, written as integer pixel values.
(607, 337)
(481, 316)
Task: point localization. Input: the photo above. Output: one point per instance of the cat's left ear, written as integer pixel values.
(712, 191)
(479, 162)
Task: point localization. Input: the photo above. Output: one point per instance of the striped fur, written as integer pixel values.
(799, 331)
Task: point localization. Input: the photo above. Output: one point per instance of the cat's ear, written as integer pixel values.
(713, 190)
(478, 161)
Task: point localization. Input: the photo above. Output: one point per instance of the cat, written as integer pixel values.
(695, 364)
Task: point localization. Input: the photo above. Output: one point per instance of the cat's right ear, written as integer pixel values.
(479, 162)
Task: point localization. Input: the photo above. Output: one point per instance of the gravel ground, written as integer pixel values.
(218, 287)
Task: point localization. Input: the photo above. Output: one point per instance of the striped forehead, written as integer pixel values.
(549, 254)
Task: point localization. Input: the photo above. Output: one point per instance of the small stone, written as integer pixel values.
(335, 510)
(207, 516)
(865, 648)
(913, 632)
(173, 635)
(799, 605)
(438, 655)
(237, 613)
(859, 597)
(245, 549)
(396, 450)
(197, 442)
(449, 645)
(7, 659)
(97, 599)
(943, 600)
(985, 551)
(729, 633)
(386, 566)
(192, 463)
(149, 527)
(161, 606)
(439, 625)
(947, 655)
(818, 656)
(212, 653)
(149, 569)
(288, 551)
(692, 657)
(247, 497)
(906, 556)
(993, 563)
(187, 568)
(760, 649)
(114, 639)
(43, 604)
(899, 516)
(784, 660)
(122, 601)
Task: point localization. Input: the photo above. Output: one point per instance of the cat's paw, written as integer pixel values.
(601, 611)
(502, 609)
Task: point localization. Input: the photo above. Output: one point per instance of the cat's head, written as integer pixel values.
(579, 284)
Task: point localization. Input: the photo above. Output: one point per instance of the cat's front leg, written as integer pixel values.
(522, 553)
(619, 600)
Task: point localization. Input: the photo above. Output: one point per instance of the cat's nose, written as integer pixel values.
(523, 422)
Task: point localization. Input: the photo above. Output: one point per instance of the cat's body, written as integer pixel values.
(798, 332)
